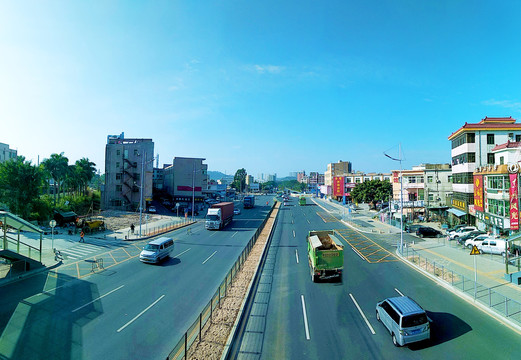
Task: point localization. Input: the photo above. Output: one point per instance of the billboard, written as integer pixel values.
(514, 208)
(478, 193)
(338, 186)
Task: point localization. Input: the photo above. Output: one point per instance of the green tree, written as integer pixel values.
(56, 168)
(371, 191)
(239, 180)
(20, 184)
(86, 171)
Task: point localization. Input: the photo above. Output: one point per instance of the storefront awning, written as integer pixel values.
(457, 212)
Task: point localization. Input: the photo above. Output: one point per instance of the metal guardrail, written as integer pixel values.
(501, 304)
(195, 330)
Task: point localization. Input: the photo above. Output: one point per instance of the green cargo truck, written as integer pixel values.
(326, 255)
(302, 201)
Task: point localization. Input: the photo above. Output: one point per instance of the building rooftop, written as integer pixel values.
(507, 145)
(505, 123)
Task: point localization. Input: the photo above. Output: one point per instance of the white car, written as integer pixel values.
(477, 240)
(493, 246)
(152, 209)
(236, 211)
(461, 232)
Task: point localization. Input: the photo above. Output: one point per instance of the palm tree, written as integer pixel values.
(86, 170)
(56, 167)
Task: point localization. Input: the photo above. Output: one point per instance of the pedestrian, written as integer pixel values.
(132, 227)
(82, 234)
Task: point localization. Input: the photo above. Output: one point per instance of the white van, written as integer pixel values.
(157, 250)
(493, 246)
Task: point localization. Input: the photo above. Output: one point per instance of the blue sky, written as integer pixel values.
(271, 86)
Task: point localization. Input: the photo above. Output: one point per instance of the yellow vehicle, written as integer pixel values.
(91, 224)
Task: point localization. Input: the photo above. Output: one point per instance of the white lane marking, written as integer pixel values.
(305, 317)
(292, 221)
(308, 221)
(293, 233)
(215, 232)
(141, 313)
(183, 252)
(358, 253)
(77, 252)
(235, 233)
(209, 257)
(363, 315)
(296, 254)
(101, 297)
(399, 292)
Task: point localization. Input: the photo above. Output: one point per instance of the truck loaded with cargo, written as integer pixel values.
(219, 215)
(249, 201)
(325, 255)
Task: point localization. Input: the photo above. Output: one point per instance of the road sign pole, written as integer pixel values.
(475, 277)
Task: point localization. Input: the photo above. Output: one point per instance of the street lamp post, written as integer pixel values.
(401, 195)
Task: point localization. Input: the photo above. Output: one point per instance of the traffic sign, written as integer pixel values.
(52, 223)
(475, 250)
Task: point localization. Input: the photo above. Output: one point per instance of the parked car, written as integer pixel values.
(477, 240)
(493, 246)
(425, 231)
(412, 228)
(404, 319)
(152, 209)
(455, 228)
(471, 235)
(461, 232)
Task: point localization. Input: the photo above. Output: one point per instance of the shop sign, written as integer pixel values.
(490, 219)
(459, 204)
(338, 186)
(514, 208)
(478, 192)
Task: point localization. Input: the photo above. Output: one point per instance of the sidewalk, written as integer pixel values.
(452, 266)
(64, 241)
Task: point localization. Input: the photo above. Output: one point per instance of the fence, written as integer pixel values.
(501, 304)
(195, 330)
(148, 231)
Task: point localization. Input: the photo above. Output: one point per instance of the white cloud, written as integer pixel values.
(508, 104)
(271, 69)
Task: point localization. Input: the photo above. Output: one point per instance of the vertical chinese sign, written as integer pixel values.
(338, 186)
(514, 209)
(478, 193)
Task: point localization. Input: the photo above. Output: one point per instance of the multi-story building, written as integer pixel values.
(249, 179)
(411, 191)
(496, 191)
(438, 190)
(128, 172)
(185, 180)
(301, 175)
(344, 184)
(472, 146)
(341, 168)
(6, 153)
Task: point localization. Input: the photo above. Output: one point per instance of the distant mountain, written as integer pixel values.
(217, 175)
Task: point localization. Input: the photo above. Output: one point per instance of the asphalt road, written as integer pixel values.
(336, 328)
(129, 311)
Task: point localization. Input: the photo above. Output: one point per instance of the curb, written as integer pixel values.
(469, 299)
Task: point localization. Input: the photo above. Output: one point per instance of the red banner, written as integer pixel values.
(396, 177)
(478, 192)
(188, 188)
(338, 186)
(514, 208)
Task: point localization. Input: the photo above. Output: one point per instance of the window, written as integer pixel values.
(501, 160)
(118, 152)
(498, 207)
(518, 138)
(511, 136)
(490, 159)
(431, 197)
(117, 164)
(449, 178)
(429, 179)
(119, 188)
(490, 139)
(125, 154)
(118, 176)
(136, 152)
